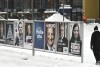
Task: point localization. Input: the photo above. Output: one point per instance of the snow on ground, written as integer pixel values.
(88, 30)
(15, 57)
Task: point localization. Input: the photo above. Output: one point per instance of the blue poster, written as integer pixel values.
(39, 35)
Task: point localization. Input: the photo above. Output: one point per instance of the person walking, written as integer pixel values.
(95, 44)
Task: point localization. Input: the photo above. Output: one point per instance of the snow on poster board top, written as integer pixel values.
(57, 17)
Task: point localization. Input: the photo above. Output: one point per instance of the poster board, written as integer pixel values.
(51, 32)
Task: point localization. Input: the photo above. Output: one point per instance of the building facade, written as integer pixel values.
(2, 5)
(89, 7)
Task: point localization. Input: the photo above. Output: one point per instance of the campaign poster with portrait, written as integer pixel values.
(28, 35)
(62, 43)
(2, 32)
(19, 33)
(10, 33)
(50, 29)
(39, 35)
(75, 43)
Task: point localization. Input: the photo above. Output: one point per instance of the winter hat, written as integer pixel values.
(95, 28)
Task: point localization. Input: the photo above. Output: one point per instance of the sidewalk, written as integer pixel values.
(15, 57)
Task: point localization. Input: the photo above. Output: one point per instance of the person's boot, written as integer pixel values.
(98, 63)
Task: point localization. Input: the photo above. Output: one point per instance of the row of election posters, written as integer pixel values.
(61, 37)
(58, 37)
(17, 33)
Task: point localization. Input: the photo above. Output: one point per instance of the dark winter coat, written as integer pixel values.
(95, 41)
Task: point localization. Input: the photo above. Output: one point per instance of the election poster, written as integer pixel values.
(62, 43)
(28, 35)
(10, 33)
(75, 43)
(50, 29)
(19, 33)
(39, 35)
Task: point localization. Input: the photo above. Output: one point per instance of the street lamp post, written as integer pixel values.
(7, 9)
(57, 5)
(63, 10)
(32, 9)
(99, 9)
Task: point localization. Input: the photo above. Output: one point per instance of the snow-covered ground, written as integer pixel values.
(15, 57)
(88, 30)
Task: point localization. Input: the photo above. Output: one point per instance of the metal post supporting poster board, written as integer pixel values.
(32, 7)
(82, 29)
(33, 33)
(5, 32)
